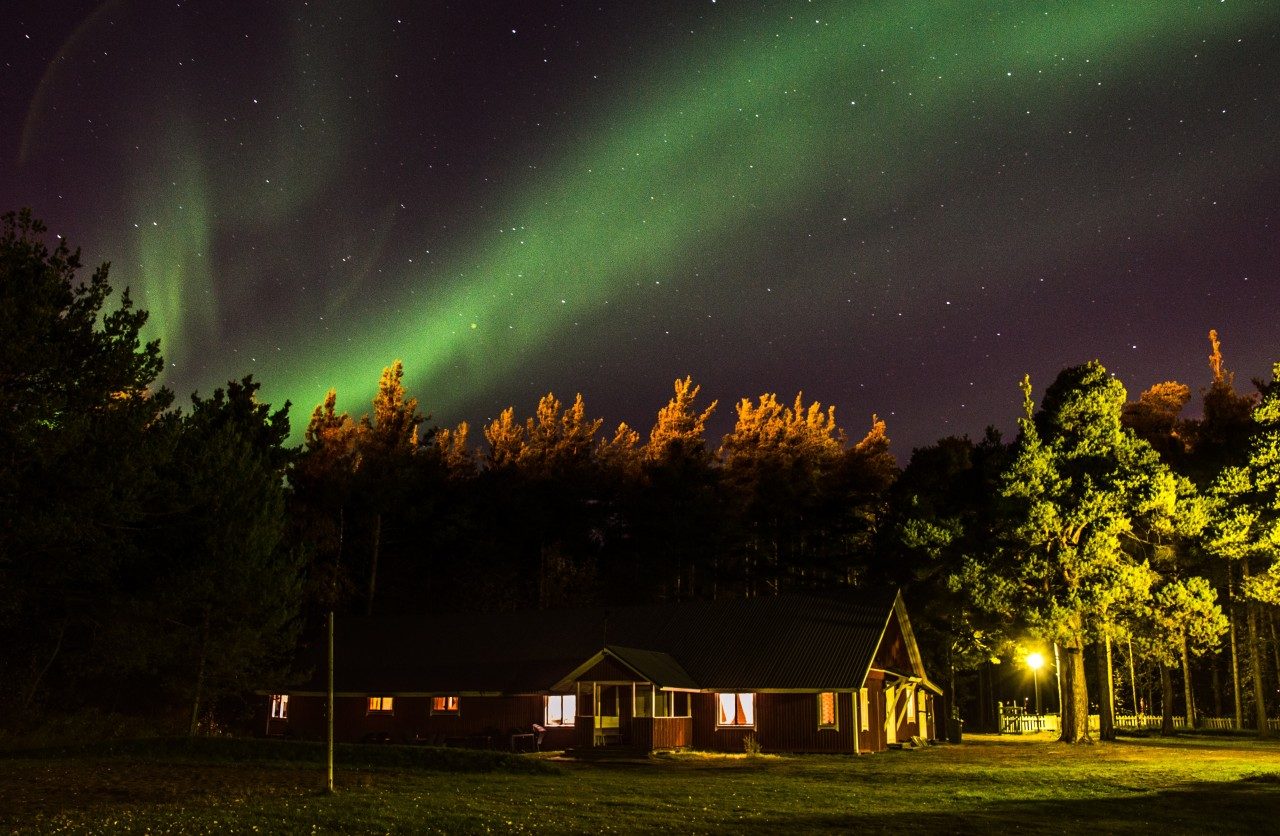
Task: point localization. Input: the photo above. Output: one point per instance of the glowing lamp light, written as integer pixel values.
(1035, 661)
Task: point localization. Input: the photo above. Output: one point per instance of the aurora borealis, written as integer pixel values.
(898, 207)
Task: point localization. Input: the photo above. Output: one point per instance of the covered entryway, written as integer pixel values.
(611, 702)
(629, 698)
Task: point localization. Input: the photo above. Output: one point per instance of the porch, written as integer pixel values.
(633, 715)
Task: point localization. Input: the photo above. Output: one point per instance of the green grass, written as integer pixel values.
(1187, 784)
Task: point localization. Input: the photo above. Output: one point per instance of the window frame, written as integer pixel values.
(834, 725)
(383, 705)
(450, 704)
(567, 720)
(665, 704)
(738, 703)
(279, 706)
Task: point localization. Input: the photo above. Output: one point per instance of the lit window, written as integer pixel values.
(561, 709)
(864, 709)
(380, 705)
(444, 705)
(279, 706)
(911, 707)
(737, 709)
(827, 710)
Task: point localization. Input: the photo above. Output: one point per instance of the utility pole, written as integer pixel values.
(329, 706)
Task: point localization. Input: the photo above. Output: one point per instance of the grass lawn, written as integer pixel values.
(988, 784)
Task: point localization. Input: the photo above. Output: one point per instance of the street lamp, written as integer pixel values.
(1035, 661)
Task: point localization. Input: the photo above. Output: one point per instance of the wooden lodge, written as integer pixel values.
(798, 673)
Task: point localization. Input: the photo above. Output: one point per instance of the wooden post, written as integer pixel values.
(329, 707)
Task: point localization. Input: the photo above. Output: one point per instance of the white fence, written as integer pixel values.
(1020, 722)
(1249, 723)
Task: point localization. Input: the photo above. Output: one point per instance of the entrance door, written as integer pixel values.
(608, 706)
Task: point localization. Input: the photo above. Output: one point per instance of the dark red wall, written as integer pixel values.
(412, 719)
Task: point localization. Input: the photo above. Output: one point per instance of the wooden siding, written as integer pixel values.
(873, 739)
(784, 723)
(662, 732)
(609, 669)
(789, 723)
(412, 720)
(892, 654)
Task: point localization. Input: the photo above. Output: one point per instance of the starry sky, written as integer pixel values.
(896, 207)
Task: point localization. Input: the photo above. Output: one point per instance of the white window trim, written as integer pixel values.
(566, 720)
(736, 694)
(864, 709)
(834, 725)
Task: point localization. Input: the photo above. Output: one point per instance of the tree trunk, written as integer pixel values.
(1275, 646)
(1057, 678)
(1217, 686)
(983, 697)
(1166, 700)
(1133, 680)
(1235, 657)
(1188, 693)
(200, 665)
(1106, 691)
(1255, 660)
(373, 562)
(1075, 691)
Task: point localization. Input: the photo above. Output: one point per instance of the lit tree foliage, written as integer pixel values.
(455, 450)
(680, 430)
(1082, 491)
(1181, 619)
(1154, 419)
(1245, 528)
(506, 439)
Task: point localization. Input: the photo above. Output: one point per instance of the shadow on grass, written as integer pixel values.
(1249, 805)
(249, 751)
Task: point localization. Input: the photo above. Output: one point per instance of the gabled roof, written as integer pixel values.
(790, 642)
(648, 665)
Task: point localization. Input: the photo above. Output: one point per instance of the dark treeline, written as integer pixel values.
(549, 511)
(166, 562)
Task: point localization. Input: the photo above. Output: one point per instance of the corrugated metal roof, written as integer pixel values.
(656, 667)
(802, 642)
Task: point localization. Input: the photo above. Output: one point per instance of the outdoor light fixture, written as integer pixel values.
(1035, 661)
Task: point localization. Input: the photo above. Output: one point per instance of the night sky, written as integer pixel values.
(897, 207)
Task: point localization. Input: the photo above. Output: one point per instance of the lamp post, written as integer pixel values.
(1035, 661)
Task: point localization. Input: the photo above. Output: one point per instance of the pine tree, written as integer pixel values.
(680, 430)
(1245, 528)
(1080, 488)
(83, 434)
(388, 444)
(225, 581)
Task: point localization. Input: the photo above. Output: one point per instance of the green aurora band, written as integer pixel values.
(789, 108)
